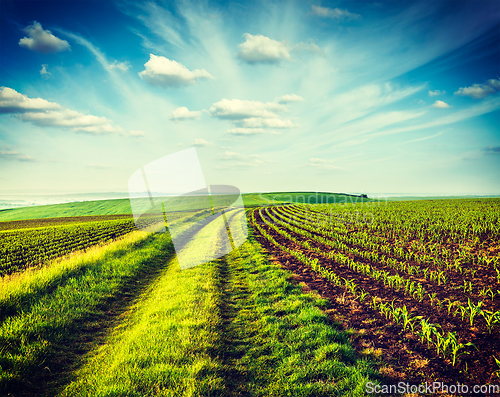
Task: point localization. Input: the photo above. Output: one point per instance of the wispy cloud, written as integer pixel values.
(261, 122)
(290, 98)
(237, 109)
(123, 66)
(323, 165)
(336, 14)
(44, 72)
(137, 133)
(492, 150)
(100, 166)
(420, 139)
(436, 92)
(250, 131)
(14, 155)
(234, 160)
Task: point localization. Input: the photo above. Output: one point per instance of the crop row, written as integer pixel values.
(433, 268)
(446, 345)
(420, 251)
(22, 248)
(414, 289)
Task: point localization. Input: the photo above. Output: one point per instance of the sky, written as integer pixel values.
(393, 97)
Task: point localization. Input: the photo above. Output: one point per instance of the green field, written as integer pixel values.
(320, 300)
(122, 206)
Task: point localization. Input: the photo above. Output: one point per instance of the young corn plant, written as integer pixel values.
(362, 295)
(467, 287)
(408, 320)
(491, 318)
(473, 310)
(419, 293)
(427, 330)
(439, 342)
(455, 347)
(497, 361)
(451, 304)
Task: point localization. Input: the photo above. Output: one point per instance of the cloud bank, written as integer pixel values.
(43, 113)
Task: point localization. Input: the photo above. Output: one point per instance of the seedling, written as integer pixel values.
(456, 347)
(491, 318)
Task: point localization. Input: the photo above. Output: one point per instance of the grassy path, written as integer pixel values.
(57, 314)
(236, 326)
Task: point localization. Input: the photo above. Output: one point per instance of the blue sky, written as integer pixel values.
(397, 97)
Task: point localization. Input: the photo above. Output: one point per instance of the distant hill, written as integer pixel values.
(122, 206)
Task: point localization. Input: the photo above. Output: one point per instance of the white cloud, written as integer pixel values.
(64, 118)
(165, 72)
(229, 155)
(322, 164)
(334, 13)
(440, 105)
(44, 72)
(12, 101)
(137, 133)
(262, 49)
(256, 122)
(9, 154)
(67, 118)
(239, 160)
(478, 91)
(307, 47)
(436, 92)
(183, 113)
(123, 66)
(237, 109)
(49, 114)
(246, 131)
(98, 129)
(41, 40)
(290, 98)
(201, 143)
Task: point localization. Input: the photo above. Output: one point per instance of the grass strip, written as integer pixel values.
(290, 348)
(162, 346)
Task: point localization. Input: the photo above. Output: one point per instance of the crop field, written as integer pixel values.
(418, 281)
(318, 301)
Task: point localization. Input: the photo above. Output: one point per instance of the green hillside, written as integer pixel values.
(122, 206)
